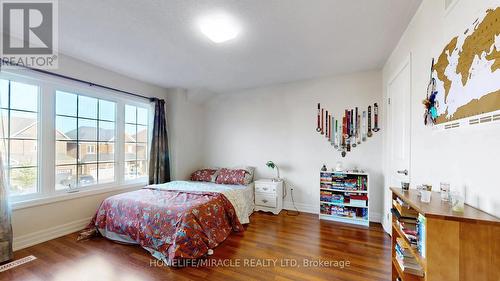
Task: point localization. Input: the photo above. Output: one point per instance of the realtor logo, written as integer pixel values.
(29, 33)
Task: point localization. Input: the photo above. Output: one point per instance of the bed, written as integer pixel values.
(178, 220)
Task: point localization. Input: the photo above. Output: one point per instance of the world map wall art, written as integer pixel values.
(467, 72)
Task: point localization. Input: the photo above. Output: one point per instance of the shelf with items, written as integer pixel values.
(343, 204)
(344, 197)
(406, 238)
(357, 221)
(345, 191)
(343, 211)
(404, 242)
(344, 181)
(428, 241)
(399, 274)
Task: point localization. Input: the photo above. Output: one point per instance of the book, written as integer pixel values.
(404, 210)
(409, 226)
(411, 269)
(421, 235)
(399, 217)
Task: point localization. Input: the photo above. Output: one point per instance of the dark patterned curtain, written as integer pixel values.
(159, 164)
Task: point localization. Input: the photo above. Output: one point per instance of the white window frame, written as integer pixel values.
(48, 86)
(91, 149)
(26, 80)
(117, 160)
(148, 143)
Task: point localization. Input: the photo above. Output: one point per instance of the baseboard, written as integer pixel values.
(28, 240)
(313, 209)
(305, 208)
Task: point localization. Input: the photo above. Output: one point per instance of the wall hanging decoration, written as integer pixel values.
(430, 103)
(369, 122)
(348, 132)
(375, 113)
(466, 75)
(326, 123)
(322, 132)
(332, 138)
(318, 128)
(358, 122)
(364, 126)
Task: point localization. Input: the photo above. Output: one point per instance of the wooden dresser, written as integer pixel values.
(456, 246)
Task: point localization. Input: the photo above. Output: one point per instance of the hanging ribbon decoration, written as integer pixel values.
(318, 128)
(326, 123)
(370, 122)
(322, 132)
(430, 102)
(375, 112)
(354, 128)
(364, 126)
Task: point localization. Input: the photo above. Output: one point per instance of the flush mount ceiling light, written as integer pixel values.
(219, 27)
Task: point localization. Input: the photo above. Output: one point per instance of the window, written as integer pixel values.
(19, 110)
(91, 149)
(136, 142)
(85, 140)
(57, 137)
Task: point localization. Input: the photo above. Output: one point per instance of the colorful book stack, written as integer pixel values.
(421, 234)
(325, 196)
(406, 259)
(337, 198)
(326, 177)
(406, 220)
(344, 197)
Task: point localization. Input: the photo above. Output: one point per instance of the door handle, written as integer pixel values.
(405, 172)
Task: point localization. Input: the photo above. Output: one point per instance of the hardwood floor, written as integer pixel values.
(267, 237)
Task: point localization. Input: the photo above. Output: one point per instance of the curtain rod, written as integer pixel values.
(91, 84)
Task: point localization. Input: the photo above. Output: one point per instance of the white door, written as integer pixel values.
(398, 145)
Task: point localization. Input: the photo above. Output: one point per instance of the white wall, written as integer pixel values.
(278, 123)
(465, 157)
(39, 223)
(185, 123)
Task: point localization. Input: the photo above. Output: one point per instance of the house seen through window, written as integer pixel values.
(136, 142)
(19, 135)
(85, 140)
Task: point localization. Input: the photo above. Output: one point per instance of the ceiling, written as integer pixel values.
(281, 40)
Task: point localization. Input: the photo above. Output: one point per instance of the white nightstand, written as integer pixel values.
(269, 196)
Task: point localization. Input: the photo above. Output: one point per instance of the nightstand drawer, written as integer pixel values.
(265, 188)
(266, 200)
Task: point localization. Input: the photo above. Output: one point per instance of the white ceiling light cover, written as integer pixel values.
(219, 27)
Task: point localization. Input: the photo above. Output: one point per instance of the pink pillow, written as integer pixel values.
(204, 175)
(228, 176)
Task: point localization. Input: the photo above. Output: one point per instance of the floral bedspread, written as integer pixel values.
(171, 225)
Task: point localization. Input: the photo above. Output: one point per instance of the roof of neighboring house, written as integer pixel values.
(20, 127)
(90, 133)
(141, 135)
(26, 128)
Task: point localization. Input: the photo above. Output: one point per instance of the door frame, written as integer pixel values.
(386, 215)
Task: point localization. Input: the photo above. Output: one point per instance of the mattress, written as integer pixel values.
(240, 196)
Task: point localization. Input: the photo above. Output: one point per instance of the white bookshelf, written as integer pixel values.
(341, 186)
